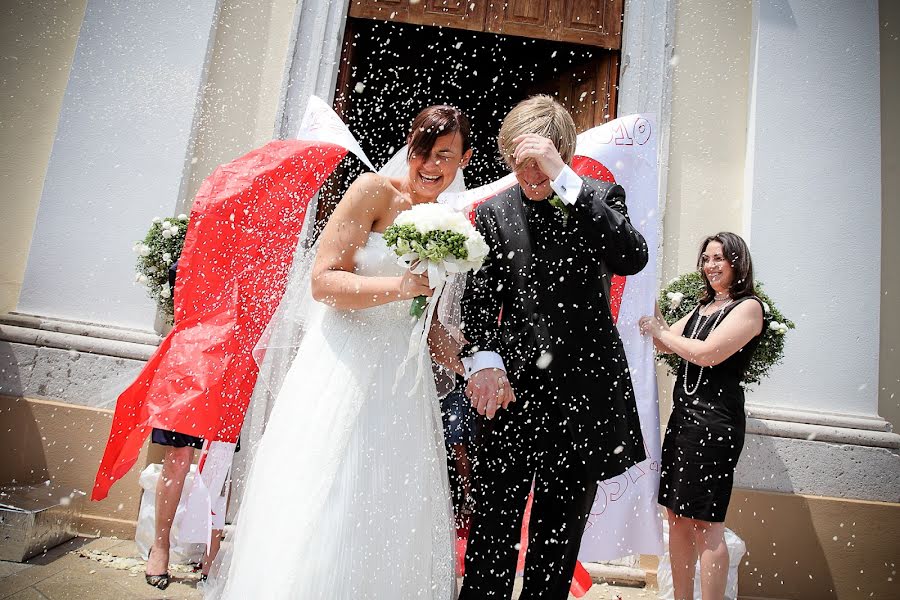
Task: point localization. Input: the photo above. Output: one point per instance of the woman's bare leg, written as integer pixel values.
(176, 466)
(682, 555)
(211, 552)
(710, 542)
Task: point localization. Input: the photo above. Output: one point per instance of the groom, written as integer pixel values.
(545, 349)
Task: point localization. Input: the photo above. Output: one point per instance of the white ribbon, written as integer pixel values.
(438, 274)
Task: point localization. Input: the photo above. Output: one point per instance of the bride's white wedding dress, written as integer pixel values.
(347, 497)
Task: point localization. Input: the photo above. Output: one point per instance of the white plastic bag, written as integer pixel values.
(736, 549)
(206, 502)
(179, 553)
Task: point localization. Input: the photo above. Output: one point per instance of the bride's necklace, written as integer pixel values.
(693, 336)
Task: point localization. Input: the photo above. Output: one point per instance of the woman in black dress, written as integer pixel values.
(705, 434)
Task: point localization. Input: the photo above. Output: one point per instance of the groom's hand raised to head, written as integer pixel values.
(489, 390)
(542, 151)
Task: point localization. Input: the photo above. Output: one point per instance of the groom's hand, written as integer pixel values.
(542, 151)
(489, 390)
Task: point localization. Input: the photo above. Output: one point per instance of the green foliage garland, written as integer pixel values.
(681, 296)
(156, 252)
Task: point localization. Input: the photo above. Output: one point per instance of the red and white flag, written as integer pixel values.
(625, 518)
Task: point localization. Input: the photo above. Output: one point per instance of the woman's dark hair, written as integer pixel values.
(434, 122)
(736, 252)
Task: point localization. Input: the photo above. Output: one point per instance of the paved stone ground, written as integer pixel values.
(115, 573)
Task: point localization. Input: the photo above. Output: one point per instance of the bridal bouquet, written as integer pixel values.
(156, 252)
(438, 240)
(681, 296)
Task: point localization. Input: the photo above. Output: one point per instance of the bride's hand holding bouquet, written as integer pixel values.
(436, 241)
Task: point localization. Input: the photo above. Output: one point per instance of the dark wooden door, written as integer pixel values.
(459, 14)
(586, 89)
(591, 22)
(582, 77)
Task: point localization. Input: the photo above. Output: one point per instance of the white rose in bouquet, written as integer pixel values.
(438, 240)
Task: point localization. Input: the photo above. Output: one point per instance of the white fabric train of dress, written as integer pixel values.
(347, 496)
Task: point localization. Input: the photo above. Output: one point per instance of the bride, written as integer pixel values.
(347, 496)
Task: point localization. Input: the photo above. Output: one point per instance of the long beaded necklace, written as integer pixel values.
(693, 336)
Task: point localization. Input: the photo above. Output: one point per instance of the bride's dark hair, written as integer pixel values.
(434, 122)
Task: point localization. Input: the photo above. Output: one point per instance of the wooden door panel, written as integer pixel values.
(385, 10)
(578, 93)
(588, 91)
(592, 22)
(529, 18)
(459, 14)
(608, 93)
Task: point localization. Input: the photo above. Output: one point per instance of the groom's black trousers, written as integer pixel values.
(529, 442)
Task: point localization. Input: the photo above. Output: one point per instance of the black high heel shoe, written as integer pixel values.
(158, 581)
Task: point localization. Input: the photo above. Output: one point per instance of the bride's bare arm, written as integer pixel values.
(444, 349)
(348, 229)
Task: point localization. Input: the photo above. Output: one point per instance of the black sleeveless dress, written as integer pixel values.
(705, 434)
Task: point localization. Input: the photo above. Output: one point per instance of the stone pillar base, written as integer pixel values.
(78, 363)
(818, 453)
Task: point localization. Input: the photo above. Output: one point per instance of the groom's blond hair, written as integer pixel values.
(544, 116)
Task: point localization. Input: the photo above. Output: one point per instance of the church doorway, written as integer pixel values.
(390, 70)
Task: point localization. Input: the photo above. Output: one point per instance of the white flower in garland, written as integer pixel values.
(675, 299)
(157, 219)
(779, 328)
(167, 233)
(164, 292)
(144, 250)
(167, 258)
(182, 217)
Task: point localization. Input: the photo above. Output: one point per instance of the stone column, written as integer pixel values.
(122, 145)
(813, 218)
(313, 68)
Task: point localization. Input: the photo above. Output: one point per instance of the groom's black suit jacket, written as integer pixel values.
(545, 289)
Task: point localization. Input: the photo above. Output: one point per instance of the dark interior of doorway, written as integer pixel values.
(393, 70)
